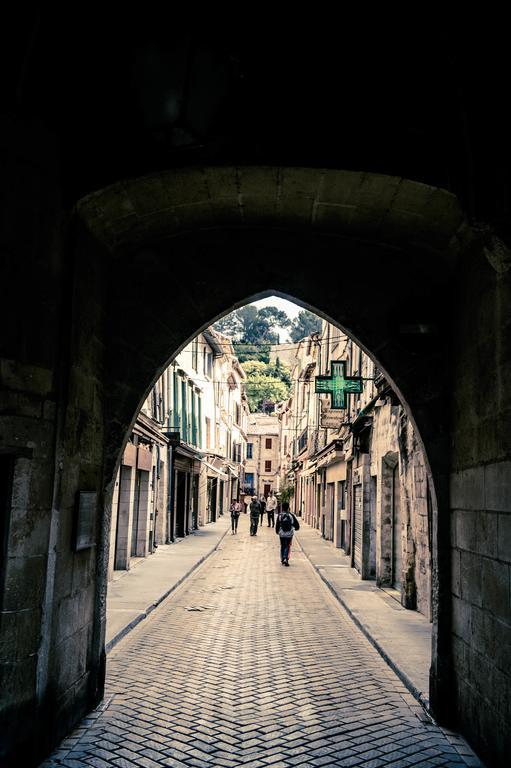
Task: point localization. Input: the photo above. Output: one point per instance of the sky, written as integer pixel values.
(286, 306)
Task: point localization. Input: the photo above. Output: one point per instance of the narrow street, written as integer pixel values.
(249, 663)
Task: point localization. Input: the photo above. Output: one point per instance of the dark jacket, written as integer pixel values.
(255, 509)
(296, 524)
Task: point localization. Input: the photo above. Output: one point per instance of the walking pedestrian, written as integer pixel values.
(262, 502)
(271, 506)
(235, 515)
(255, 511)
(286, 525)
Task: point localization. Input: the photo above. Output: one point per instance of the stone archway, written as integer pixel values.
(159, 258)
(373, 254)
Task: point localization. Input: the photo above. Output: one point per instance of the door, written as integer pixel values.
(136, 513)
(357, 527)
(397, 532)
(221, 492)
(267, 489)
(195, 501)
(181, 504)
(331, 511)
(212, 498)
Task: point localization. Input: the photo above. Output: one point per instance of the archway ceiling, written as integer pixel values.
(382, 209)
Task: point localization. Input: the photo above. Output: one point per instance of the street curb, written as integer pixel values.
(144, 614)
(418, 695)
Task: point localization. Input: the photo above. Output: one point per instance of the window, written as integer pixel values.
(238, 413)
(267, 466)
(249, 482)
(268, 443)
(208, 433)
(209, 365)
(250, 448)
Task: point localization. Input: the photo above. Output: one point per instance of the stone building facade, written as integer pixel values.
(184, 459)
(262, 469)
(359, 472)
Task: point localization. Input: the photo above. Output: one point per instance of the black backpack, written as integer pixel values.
(286, 522)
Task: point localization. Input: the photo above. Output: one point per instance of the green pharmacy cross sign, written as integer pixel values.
(338, 385)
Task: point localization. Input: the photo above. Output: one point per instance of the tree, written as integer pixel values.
(261, 387)
(253, 326)
(304, 324)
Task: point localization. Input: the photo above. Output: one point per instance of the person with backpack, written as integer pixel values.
(235, 515)
(285, 527)
(255, 511)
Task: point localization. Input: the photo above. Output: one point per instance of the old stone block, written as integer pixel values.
(487, 533)
(300, 183)
(296, 211)
(28, 632)
(332, 217)
(70, 659)
(466, 529)
(226, 210)
(462, 619)
(258, 182)
(25, 378)
(24, 582)
(29, 532)
(342, 189)
(482, 637)
(495, 588)
(504, 537)
(147, 194)
(455, 573)
(68, 620)
(498, 487)
(22, 432)
(467, 489)
(18, 681)
(498, 634)
(8, 635)
(257, 209)
(222, 182)
(470, 577)
(480, 673)
(49, 410)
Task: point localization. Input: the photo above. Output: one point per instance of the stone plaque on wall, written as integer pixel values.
(86, 520)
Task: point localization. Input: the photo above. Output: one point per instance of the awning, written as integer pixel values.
(217, 472)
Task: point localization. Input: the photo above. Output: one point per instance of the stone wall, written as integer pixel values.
(394, 443)
(481, 505)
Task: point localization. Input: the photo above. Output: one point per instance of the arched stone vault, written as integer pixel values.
(374, 254)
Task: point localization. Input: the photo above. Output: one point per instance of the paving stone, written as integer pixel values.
(254, 680)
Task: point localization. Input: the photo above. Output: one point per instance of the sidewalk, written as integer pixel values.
(133, 594)
(401, 636)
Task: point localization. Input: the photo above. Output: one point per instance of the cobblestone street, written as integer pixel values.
(250, 663)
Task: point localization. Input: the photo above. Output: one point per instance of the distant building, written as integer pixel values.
(263, 455)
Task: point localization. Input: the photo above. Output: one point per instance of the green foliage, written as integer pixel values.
(304, 324)
(261, 387)
(254, 367)
(266, 381)
(245, 352)
(249, 325)
(287, 492)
